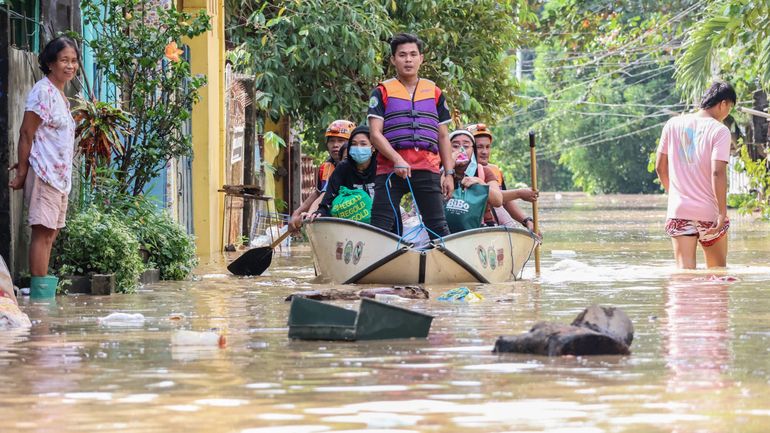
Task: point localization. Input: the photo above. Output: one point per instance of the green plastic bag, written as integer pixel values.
(465, 209)
(352, 204)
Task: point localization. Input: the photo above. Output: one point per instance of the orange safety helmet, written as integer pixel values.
(480, 129)
(340, 128)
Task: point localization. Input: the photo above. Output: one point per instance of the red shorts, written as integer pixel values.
(681, 227)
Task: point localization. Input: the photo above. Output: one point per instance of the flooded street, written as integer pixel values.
(700, 357)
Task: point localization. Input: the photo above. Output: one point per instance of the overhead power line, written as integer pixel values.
(601, 104)
(604, 140)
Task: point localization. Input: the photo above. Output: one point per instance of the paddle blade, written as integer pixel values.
(252, 262)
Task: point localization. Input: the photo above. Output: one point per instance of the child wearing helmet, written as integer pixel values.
(408, 119)
(337, 135)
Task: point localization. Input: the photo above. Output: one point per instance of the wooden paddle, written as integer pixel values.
(255, 260)
(533, 172)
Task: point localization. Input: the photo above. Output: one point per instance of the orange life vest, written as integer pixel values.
(498, 173)
(324, 173)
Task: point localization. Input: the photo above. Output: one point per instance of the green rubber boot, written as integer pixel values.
(43, 287)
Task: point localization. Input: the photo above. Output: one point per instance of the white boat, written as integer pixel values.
(350, 252)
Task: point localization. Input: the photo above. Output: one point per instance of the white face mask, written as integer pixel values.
(472, 166)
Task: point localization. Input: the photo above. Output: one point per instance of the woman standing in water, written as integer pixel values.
(692, 166)
(46, 146)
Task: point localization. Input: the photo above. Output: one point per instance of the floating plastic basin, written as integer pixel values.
(314, 320)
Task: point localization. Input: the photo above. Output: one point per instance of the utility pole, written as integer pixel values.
(759, 124)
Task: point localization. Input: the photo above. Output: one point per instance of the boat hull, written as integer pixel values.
(351, 252)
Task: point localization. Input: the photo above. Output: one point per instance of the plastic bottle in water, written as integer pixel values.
(195, 338)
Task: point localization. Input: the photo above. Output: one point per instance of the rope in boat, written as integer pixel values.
(513, 256)
(537, 242)
(414, 232)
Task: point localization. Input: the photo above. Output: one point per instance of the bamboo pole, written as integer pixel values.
(533, 172)
(754, 112)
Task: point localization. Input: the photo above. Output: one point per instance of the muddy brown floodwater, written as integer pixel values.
(700, 359)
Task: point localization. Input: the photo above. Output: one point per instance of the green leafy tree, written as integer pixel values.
(314, 60)
(318, 60)
(135, 49)
(759, 180)
(597, 91)
(733, 39)
(510, 150)
(468, 49)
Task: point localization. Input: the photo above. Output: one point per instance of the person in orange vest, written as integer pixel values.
(483, 136)
(408, 118)
(337, 135)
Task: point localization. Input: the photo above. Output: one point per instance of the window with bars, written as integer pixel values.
(24, 27)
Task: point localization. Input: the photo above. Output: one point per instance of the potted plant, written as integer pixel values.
(100, 127)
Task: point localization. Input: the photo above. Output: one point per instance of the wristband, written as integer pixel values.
(525, 220)
(450, 172)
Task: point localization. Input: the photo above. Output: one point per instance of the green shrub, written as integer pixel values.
(758, 172)
(171, 249)
(737, 201)
(97, 242)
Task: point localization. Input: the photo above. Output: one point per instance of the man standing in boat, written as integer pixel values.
(691, 164)
(408, 118)
(509, 211)
(337, 135)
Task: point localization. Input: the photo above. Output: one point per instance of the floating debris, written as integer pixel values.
(596, 331)
(461, 294)
(11, 316)
(196, 338)
(406, 292)
(122, 319)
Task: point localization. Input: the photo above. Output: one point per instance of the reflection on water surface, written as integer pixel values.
(699, 362)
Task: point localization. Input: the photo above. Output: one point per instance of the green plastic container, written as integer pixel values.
(43, 287)
(314, 320)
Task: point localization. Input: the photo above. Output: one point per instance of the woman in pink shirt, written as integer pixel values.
(691, 163)
(46, 146)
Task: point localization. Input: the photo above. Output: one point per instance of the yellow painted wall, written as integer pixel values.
(274, 186)
(207, 57)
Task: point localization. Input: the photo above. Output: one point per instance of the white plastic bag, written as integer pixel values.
(6, 283)
(271, 234)
(418, 237)
(122, 319)
(11, 316)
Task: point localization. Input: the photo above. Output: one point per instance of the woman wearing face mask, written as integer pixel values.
(468, 172)
(356, 171)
